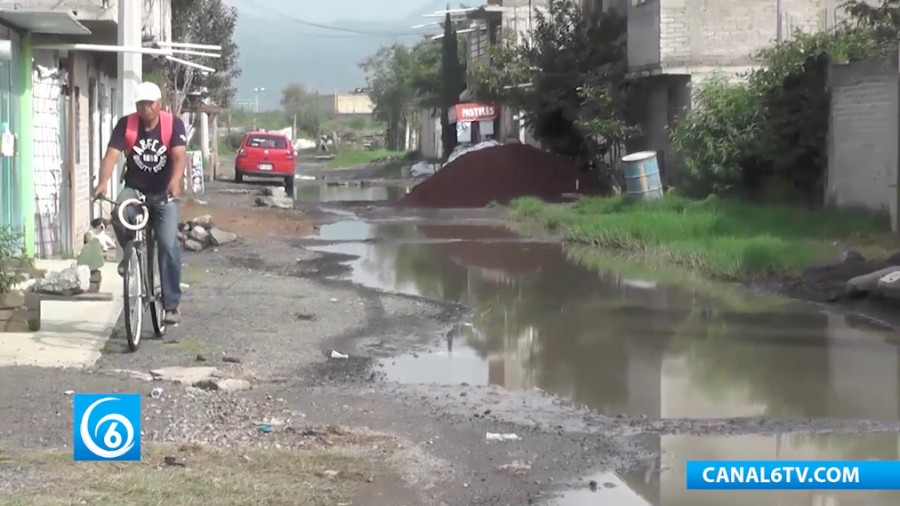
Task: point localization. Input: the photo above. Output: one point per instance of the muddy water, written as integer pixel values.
(661, 482)
(619, 344)
(640, 346)
(337, 192)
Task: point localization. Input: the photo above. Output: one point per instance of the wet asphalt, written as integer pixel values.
(278, 310)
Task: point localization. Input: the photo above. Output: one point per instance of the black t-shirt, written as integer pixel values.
(148, 164)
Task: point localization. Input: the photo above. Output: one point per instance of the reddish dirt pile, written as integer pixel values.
(497, 174)
(251, 223)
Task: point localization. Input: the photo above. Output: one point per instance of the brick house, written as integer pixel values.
(68, 69)
(674, 44)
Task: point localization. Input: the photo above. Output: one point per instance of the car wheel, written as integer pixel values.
(238, 177)
(289, 186)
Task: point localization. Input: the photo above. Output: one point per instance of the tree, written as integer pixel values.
(295, 97)
(883, 22)
(301, 105)
(202, 22)
(452, 83)
(766, 137)
(389, 89)
(568, 80)
(401, 79)
(425, 74)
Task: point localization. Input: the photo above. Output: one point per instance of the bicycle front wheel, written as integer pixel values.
(132, 291)
(154, 288)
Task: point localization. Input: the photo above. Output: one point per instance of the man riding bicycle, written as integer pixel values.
(154, 143)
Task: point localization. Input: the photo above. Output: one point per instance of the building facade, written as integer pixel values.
(499, 18)
(489, 24)
(67, 71)
(349, 104)
(674, 44)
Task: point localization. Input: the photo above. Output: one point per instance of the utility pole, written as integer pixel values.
(318, 126)
(256, 91)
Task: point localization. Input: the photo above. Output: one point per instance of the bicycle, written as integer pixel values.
(142, 288)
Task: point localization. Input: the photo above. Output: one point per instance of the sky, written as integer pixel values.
(275, 50)
(325, 11)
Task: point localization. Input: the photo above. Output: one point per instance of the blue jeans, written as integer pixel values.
(164, 218)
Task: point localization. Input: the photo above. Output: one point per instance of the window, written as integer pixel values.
(267, 141)
(637, 3)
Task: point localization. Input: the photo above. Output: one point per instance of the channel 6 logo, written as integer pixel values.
(107, 427)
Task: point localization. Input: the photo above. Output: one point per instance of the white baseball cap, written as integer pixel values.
(147, 91)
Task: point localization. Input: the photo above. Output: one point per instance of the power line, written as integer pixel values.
(356, 33)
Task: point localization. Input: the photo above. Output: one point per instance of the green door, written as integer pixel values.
(10, 208)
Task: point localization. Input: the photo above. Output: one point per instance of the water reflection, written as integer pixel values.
(341, 192)
(627, 345)
(662, 482)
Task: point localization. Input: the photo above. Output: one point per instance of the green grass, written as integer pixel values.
(725, 239)
(350, 158)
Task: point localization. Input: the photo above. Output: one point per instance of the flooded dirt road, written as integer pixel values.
(632, 347)
(619, 345)
(421, 339)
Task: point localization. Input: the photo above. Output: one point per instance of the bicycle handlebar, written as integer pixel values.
(120, 207)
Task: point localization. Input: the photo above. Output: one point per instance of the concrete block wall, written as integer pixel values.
(686, 33)
(721, 32)
(864, 130)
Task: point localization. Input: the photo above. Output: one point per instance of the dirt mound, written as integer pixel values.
(498, 174)
(251, 223)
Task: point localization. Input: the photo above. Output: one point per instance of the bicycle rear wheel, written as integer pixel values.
(154, 288)
(134, 307)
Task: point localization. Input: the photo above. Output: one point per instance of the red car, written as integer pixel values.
(265, 154)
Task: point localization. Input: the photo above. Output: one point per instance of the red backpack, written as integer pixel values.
(134, 123)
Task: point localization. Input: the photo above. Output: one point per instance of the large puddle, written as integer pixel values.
(621, 344)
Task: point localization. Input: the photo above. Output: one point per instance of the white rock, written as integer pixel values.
(205, 220)
(233, 385)
(199, 234)
(220, 237)
(275, 191)
(193, 245)
(184, 375)
(422, 169)
(889, 286)
(69, 281)
(868, 282)
(276, 202)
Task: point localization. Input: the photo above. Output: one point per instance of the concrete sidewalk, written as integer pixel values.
(72, 332)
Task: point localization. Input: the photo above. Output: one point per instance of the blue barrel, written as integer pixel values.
(642, 181)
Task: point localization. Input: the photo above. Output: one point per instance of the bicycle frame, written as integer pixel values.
(145, 267)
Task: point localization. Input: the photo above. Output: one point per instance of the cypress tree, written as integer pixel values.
(452, 83)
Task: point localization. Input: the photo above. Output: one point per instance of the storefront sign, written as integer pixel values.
(193, 176)
(473, 112)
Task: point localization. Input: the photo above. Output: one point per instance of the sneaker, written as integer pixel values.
(173, 317)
